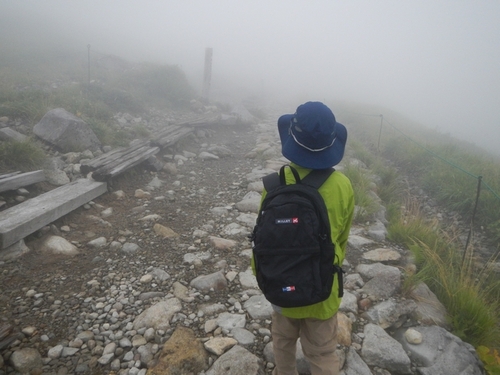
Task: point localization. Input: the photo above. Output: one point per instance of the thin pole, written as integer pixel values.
(88, 78)
(380, 132)
(479, 179)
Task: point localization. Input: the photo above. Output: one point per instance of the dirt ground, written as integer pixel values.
(203, 185)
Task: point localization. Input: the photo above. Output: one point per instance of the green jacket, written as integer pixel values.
(339, 199)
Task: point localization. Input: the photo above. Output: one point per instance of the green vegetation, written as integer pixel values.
(34, 82)
(447, 169)
(21, 156)
(469, 293)
(362, 185)
(469, 289)
(491, 359)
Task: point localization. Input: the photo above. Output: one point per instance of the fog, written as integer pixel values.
(435, 61)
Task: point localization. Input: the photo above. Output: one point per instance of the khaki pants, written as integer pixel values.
(318, 339)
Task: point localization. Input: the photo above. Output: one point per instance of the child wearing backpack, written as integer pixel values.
(300, 238)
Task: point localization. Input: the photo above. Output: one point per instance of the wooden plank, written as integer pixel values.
(26, 218)
(115, 168)
(109, 157)
(124, 158)
(202, 121)
(168, 139)
(7, 175)
(16, 181)
(8, 134)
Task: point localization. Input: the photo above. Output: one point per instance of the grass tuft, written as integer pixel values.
(470, 294)
(23, 156)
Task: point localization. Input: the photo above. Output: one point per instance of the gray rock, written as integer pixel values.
(235, 230)
(237, 361)
(219, 345)
(243, 336)
(14, 251)
(358, 242)
(353, 281)
(258, 173)
(55, 352)
(160, 274)
(25, 360)
(229, 321)
(57, 245)
(258, 307)
(98, 243)
(159, 315)
(349, 303)
(382, 255)
(214, 281)
(390, 313)
(382, 286)
(130, 248)
(384, 281)
(380, 349)
(220, 151)
(248, 219)
(66, 131)
(207, 156)
(441, 352)
(56, 177)
(369, 271)
(250, 202)
(213, 309)
(355, 365)
(430, 310)
(377, 231)
(248, 280)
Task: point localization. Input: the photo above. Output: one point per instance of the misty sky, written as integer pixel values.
(435, 61)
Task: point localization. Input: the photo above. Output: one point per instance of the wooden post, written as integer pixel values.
(207, 76)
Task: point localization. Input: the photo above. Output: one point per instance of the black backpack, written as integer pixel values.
(292, 246)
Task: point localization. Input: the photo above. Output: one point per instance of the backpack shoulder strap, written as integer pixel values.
(271, 181)
(317, 177)
(276, 179)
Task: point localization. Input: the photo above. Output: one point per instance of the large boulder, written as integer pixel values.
(66, 132)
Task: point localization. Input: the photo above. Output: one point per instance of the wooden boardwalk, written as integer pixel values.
(26, 218)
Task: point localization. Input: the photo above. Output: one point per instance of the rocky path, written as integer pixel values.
(161, 283)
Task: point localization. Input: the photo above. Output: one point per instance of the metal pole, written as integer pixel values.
(479, 179)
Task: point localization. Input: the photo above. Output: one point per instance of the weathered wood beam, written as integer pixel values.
(202, 121)
(113, 155)
(168, 139)
(7, 175)
(15, 180)
(8, 134)
(26, 218)
(130, 160)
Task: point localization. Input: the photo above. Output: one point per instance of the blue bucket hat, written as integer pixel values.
(311, 137)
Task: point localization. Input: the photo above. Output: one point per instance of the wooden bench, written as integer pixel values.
(26, 218)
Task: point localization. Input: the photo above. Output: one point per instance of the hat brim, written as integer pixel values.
(311, 159)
